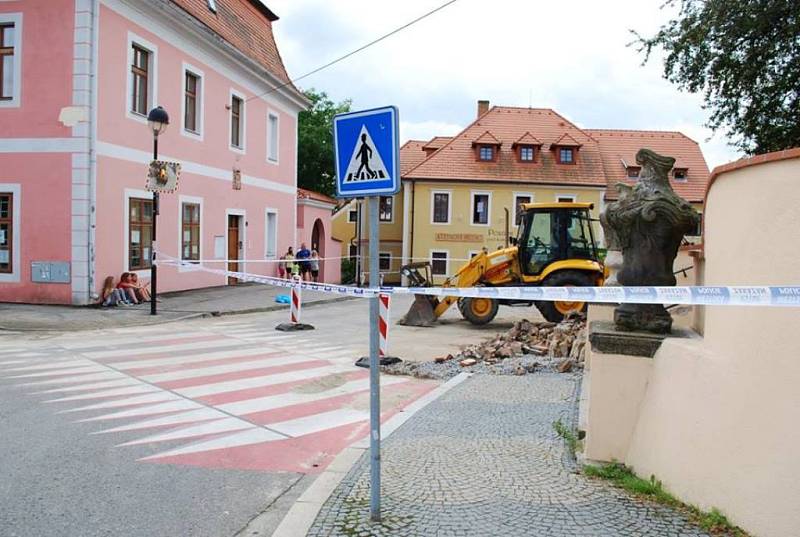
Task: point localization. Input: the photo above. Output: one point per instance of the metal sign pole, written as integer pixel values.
(374, 373)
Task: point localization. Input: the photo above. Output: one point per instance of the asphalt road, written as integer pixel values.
(61, 475)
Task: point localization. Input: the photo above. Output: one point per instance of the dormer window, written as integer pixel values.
(212, 5)
(679, 173)
(486, 147)
(566, 149)
(633, 172)
(526, 148)
(526, 153)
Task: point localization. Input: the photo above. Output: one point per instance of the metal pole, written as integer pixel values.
(374, 373)
(153, 268)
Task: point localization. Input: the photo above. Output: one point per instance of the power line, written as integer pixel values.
(356, 51)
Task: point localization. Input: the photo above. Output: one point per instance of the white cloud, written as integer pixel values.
(425, 130)
(570, 55)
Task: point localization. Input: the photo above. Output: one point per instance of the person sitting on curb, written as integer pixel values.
(111, 296)
(140, 289)
(128, 288)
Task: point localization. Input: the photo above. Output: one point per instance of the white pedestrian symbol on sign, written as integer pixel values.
(366, 163)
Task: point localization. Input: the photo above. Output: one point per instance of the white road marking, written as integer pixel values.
(129, 381)
(261, 381)
(267, 361)
(225, 425)
(282, 400)
(144, 393)
(192, 359)
(109, 375)
(84, 369)
(319, 422)
(192, 416)
(161, 408)
(110, 342)
(198, 345)
(244, 438)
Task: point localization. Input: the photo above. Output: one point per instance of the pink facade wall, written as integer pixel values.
(118, 171)
(307, 217)
(43, 179)
(57, 185)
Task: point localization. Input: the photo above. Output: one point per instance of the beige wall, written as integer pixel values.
(716, 422)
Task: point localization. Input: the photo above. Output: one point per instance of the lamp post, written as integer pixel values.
(157, 122)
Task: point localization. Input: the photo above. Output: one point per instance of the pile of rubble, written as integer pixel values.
(525, 348)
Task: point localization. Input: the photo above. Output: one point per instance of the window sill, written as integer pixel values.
(194, 135)
(237, 149)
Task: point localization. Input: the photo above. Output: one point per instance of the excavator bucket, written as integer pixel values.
(421, 312)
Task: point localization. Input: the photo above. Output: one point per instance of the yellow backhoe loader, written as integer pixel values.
(555, 246)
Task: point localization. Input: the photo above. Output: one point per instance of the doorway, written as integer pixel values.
(235, 244)
(318, 244)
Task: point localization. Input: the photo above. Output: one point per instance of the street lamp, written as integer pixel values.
(157, 122)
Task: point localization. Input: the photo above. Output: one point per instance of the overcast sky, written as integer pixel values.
(569, 55)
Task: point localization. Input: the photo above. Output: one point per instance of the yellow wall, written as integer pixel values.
(391, 235)
(428, 236)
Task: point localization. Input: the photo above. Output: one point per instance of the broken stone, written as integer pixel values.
(468, 362)
(565, 366)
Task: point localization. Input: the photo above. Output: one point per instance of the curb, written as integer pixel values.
(303, 513)
(189, 315)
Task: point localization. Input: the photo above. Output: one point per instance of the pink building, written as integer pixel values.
(314, 228)
(78, 78)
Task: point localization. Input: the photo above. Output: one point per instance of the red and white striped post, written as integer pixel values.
(294, 310)
(295, 305)
(383, 324)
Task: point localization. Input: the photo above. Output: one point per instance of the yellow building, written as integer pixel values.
(460, 194)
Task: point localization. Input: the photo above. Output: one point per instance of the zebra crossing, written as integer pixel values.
(212, 393)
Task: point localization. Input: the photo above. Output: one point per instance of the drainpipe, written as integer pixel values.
(91, 253)
(413, 213)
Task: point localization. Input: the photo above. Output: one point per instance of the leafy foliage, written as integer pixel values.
(315, 165)
(744, 56)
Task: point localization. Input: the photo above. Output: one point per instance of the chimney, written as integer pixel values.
(483, 107)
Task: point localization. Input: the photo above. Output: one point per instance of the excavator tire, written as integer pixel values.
(556, 311)
(478, 310)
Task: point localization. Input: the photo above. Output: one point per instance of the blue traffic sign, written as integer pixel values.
(367, 153)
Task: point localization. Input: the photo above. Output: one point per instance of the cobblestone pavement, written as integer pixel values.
(484, 460)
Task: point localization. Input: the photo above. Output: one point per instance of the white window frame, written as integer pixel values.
(354, 213)
(152, 77)
(391, 257)
(449, 207)
(391, 220)
(126, 224)
(16, 232)
(198, 201)
(573, 197)
(514, 196)
(272, 114)
(472, 195)
(447, 261)
(187, 68)
(472, 253)
(16, 90)
(242, 122)
(268, 211)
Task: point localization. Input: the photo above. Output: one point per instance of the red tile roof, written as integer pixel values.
(618, 146)
(487, 138)
(411, 153)
(303, 194)
(244, 24)
(528, 139)
(437, 142)
(456, 160)
(567, 141)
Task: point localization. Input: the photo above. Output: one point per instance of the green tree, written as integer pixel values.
(744, 56)
(315, 166)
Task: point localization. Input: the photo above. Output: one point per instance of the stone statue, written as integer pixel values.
(647, 224)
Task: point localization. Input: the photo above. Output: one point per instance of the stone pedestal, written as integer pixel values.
(620, 365)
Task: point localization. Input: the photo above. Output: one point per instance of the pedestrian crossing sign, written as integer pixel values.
(367, 153)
